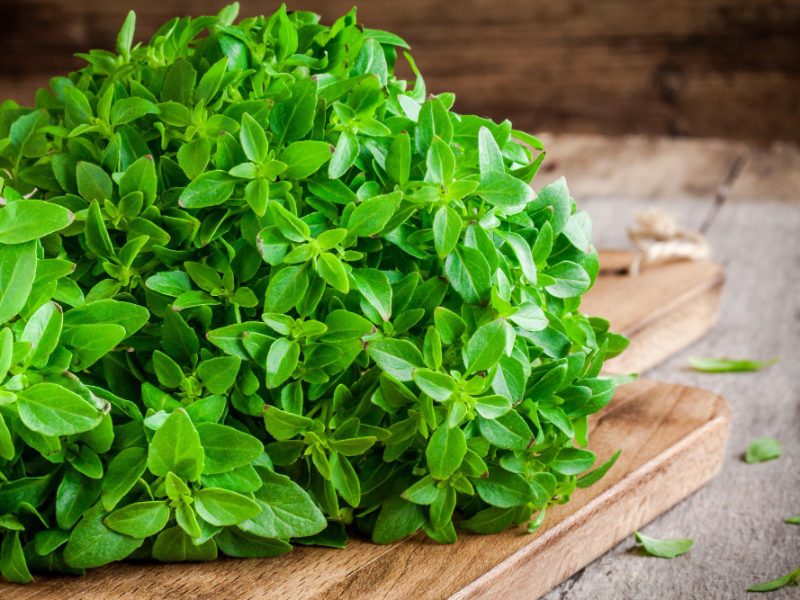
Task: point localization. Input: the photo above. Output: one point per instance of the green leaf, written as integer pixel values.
(174, 545)
(193, 157)
(129, 109)
(398, 159)
(490, 159)
(399, 358)
(396, 520)
(468, 273)
(281, 361)
(13, 566)
(93, 182)
(434, 120)
(504, 190)
(212, 188)
(92, 544)
(663, 548)
(571, 279)
(222, 507)
(763, 449)
(492, 407)
(286, 289)
(776, 584)
(332, 270)
(253, 139)
(121, 475)
(304, 158)
(503, 489)
(17, 273)
(169, 283)
(26, 220)
(226, 448)
(284, 425)
(448, 324)
(239, 544)
(131, 317)
(372, 215)
(510, 431)
(344, 155)
(571, 461)
(51, 409)
(445, 451)
(176, 447)
(289, 225)
(293, 118)
(727, 365)
(345, 480)
(374, 286)
(139, 520)
(91, 342)
(597, 474)
(219, 374)
(97, 237)
(42, 332)
(441, 162)
(522, 251)
(125, 35)
(447, 226)
(140, 176)
(487, 345)
(76, 106)
(286, 509)
(438, 386)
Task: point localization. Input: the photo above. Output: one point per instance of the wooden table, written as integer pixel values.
(747, 200)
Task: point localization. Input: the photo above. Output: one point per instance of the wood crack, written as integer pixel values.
(723, 191)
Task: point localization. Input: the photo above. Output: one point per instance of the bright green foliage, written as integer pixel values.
(255, 289)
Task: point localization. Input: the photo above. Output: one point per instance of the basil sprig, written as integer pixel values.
(256, 289)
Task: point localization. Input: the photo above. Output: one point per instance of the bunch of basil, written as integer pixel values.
(254, 289)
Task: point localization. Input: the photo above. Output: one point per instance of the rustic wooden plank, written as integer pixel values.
(639, 167)
(555, 66)
(672, 440)
(769, 173)
(662, 310)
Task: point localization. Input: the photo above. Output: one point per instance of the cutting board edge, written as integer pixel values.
(662, 338)
(704, 446)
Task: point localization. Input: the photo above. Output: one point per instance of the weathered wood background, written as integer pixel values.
(726, 68)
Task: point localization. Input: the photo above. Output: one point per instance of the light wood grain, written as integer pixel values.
(672, 440)
(662, 310)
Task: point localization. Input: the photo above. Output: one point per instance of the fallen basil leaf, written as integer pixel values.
(663, 548)
(727, 365)
(776, 584)
(762, 449)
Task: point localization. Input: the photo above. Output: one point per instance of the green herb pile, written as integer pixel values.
(255, 290)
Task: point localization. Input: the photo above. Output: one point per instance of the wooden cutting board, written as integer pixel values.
(672, 440)
(663, 309)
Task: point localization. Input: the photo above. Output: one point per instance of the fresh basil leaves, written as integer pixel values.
(254, 289)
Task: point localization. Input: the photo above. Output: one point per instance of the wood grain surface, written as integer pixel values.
(662, 310)
(725, 68)
(672, 440)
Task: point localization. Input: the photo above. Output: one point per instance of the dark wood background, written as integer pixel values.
(728, 68)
